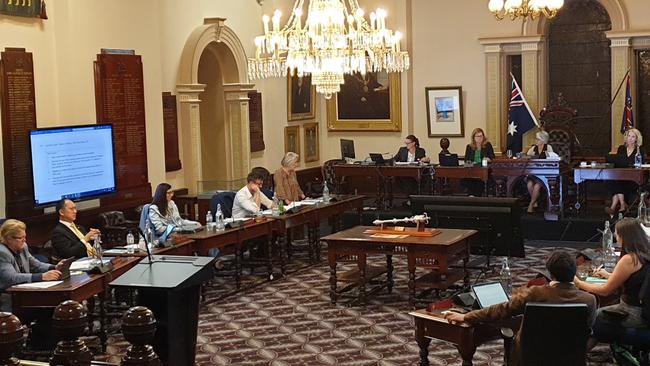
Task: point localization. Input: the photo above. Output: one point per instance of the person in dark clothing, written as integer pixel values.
(625, 156)
(475, 151)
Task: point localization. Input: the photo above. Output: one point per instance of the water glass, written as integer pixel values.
(509, 153)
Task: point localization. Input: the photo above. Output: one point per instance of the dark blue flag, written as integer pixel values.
(520, 118)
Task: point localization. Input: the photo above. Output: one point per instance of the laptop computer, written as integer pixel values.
(377, 158)
(618, 161)
(448, 159)
(489, 293)
(65, 268)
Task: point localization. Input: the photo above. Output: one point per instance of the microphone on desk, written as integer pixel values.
(146, 244)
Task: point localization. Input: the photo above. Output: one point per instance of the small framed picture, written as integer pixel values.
(292, 139)
(445, 111)
(312, 146)
(301, 98)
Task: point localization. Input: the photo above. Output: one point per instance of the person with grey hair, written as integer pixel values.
(540, 150)
(286, 182)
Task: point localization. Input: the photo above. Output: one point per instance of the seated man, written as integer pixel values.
(562, 267)
(17, 265)
(250, 198)
(68, 239)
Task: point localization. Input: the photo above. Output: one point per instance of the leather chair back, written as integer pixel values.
(554, 334)
(329, 175)
(111, 218)
(226, 200)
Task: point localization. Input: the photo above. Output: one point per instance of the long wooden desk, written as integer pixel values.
(378, 180)
(312, 216)
(583, 174)
(206, 240)
(444, 173)
(464, 336)
(435, 253)
(507, 172)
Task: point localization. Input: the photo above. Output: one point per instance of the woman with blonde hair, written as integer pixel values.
(625, 156)
(17, 265)
(286, 182)
(478, 149)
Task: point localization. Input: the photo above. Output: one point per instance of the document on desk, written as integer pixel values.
(230, 220)
(388, 236)
(595, 280)
(86, 264)
(39, 285)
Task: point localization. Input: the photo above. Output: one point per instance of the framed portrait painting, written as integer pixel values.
(445, 111)
(301, 98)
(369, 102)
(292, 139)
(311, 139)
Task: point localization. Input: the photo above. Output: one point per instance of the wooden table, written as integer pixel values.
(378, 180)
(444, 173)
(435, 253)
(600, 173)
(206, 240)
(78, 287)
(464, 336)
(507, 172)
(312, 216)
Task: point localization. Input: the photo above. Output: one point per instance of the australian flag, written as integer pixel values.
(520, 118)
(628, 118)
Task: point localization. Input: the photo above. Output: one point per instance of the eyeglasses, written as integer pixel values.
(170, 192)
(21, 238)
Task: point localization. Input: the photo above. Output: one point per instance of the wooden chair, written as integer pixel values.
(557, 119)
(329, 176)
(550, 334)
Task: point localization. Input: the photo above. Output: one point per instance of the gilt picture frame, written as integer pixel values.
(311, 142)
(292, 139)
(301, 98)
(445, 111)
(370, 102)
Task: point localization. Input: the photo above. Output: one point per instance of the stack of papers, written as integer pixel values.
(231, 220)
(37, 285)
(595, 280)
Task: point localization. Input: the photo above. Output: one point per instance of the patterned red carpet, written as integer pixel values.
(290, 321)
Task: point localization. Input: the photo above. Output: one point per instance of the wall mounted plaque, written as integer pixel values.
(170, 127)
(119, 99)
(255, 118)
(18, 118)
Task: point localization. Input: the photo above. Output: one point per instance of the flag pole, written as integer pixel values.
(618, 90)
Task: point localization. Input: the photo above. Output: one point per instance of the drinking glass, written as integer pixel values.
(509, 153)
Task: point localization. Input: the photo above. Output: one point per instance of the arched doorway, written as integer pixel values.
(580, 69)
(213, 96)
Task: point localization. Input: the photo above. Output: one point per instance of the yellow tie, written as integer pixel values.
(90, 251)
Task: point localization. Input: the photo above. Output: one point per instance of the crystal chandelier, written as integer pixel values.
(524, 8)
(336, 39)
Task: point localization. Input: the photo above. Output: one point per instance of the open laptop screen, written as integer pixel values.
(488, 294)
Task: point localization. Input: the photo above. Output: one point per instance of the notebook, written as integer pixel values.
(489, 293)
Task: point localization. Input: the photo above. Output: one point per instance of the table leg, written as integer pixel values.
(331, 257)
(317, 242)
(423, 342)
(411, 268)
(284, 244)
(238, 255)
(310, 241)
(362, 265)
(466, 353)
(102, 320)
(269, 255)
(389, 272)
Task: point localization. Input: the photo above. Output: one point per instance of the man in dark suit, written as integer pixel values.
(561, 290)
(68, 239)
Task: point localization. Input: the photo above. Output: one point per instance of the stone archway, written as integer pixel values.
(221, 44)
